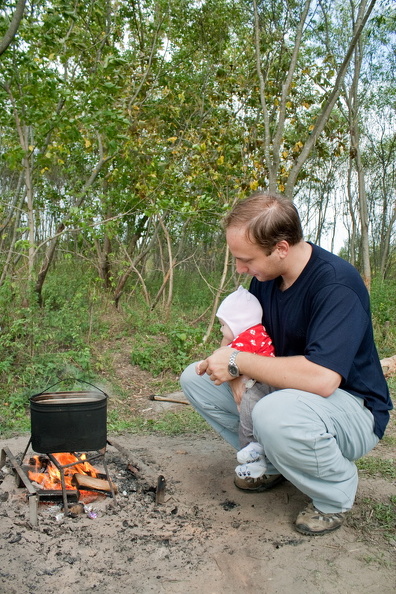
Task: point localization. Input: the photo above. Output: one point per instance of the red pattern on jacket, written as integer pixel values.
(254, 340)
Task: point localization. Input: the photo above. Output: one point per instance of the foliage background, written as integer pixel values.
(127, 130)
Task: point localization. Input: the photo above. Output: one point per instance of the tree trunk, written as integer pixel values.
(330, 102)
(355, 154)
(386, 244)
(272, 143)
(103, 260)
(353, 231)
(13, 27)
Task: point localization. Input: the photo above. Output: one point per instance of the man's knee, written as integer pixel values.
(191, 383)
(267, 411)
(188, 376)
(274, 418)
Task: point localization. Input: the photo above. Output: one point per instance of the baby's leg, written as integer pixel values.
(249, 400)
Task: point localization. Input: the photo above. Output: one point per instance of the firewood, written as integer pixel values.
(136, 466)
(389, 365)
(76, 510)
(89, 483)
(160, 491)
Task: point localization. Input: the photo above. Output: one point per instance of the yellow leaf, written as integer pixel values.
(172, 139)
(31, 147)
(281, 187)
(87, 143)
(253, 185)
(297, 146)
(311, 127)
(220, 160)
(285, 154)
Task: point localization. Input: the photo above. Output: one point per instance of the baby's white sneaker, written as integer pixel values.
(250, 453)
(253, 469)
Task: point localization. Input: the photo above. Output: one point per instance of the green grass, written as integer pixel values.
(389, 440)
(13, 424)
(372, 466)
(171, 423)
(375, 518)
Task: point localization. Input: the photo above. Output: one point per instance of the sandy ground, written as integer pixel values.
(207, 537)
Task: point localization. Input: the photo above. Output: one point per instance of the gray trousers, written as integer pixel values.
(312, 441)
(249, 401)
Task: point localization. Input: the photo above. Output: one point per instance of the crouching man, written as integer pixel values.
(326, 402)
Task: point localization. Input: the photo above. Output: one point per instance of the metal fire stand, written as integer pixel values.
(35, 494)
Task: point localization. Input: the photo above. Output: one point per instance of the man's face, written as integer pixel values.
(251, 259)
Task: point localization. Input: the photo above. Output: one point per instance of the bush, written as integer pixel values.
(166, 347)
(383, 307)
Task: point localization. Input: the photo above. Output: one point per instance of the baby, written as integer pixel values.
(240, 316)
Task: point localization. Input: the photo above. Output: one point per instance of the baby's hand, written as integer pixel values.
(201, 367)
(238, 389)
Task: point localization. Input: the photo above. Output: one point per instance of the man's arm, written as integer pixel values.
(282, 372)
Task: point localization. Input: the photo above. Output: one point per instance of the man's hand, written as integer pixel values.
(217, 366)
(201, 367)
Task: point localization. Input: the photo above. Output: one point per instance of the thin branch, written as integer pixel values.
(217, 297)
(13, 27)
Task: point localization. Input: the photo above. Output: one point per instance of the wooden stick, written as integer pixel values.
(137, 467)
(83, 481)
(167, 399)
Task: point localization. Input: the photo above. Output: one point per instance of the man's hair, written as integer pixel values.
(268, 218)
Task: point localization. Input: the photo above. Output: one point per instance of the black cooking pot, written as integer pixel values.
(68, 421)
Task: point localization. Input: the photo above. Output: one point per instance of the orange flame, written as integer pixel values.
(51, 477)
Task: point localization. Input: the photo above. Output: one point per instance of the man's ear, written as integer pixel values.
(282, 248)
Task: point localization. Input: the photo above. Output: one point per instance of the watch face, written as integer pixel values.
(233, 370)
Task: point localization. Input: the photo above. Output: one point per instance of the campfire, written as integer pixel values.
(76, 473)
(63, 424)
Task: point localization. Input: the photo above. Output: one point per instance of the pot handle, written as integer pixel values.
(71, 378)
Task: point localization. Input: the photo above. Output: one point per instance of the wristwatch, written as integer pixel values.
(233, 369)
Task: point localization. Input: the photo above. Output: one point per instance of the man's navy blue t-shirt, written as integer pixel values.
(325, 316)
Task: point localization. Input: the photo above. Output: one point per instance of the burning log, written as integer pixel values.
(55, 495)
(90, 483)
